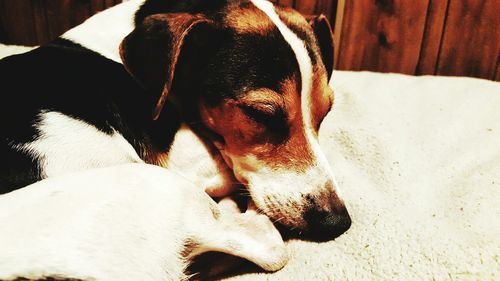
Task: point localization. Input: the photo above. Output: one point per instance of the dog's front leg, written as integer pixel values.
(241, 241)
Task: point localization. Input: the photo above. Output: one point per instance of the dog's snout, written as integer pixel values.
(327, 225)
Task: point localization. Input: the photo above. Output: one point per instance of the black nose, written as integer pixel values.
(324, 226)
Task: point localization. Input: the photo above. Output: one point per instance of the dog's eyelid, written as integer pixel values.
(267, 107)
(273, 117)
(262, 98)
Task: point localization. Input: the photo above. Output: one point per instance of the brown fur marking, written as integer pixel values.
(321, 97)
(249, 20)
(243, 136)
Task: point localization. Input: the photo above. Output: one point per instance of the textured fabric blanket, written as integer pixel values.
(418, 160)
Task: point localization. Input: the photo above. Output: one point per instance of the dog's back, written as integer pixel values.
(56, 85)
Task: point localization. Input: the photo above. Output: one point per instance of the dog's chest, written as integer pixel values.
(67, 145)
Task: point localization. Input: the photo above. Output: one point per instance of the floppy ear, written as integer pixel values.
(323, 32)
(151, 52)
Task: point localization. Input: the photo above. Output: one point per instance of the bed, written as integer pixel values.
(418, 162)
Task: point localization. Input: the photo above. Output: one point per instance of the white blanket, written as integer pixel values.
(418, 161)
(8, 50)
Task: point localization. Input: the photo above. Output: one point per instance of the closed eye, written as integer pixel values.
(273, 117)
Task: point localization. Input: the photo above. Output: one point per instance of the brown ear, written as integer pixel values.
(151, 52)
(323, 32)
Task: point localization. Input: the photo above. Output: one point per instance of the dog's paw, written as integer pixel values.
(263, 241)
(252, 236)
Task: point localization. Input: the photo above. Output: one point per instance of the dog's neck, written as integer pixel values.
(104, 31)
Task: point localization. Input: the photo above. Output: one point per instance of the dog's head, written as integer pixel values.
(255, 76)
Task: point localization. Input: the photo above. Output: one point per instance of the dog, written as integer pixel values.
(249, 77)
(123, 223)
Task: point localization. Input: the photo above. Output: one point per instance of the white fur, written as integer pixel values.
(190, 156)
(104, 31)
(289, 207)
(69, 145)
(123, 223)
(9, 50)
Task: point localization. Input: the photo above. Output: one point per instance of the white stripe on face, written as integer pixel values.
(306, 74)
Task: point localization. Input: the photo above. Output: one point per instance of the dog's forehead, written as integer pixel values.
(256, 55)
(249, 61)
(246, 18)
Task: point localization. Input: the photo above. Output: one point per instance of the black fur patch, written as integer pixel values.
(248, 62)
(79, 83)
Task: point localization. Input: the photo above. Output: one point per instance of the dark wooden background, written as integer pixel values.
(441, 37)
(437, 37)
(34, 22)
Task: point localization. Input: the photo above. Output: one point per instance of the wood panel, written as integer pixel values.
(433, 34)
(443, 37)
(18, 22)
(471, 39)
(34, 22)
(497, 75)
(40, 21)
(437, 37)
(64, 14)
(382, 35)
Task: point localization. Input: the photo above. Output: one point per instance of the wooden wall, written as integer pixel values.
(34, 22)
(439, 37)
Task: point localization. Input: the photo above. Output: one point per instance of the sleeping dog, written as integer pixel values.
(126, 222)
(250, 77)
